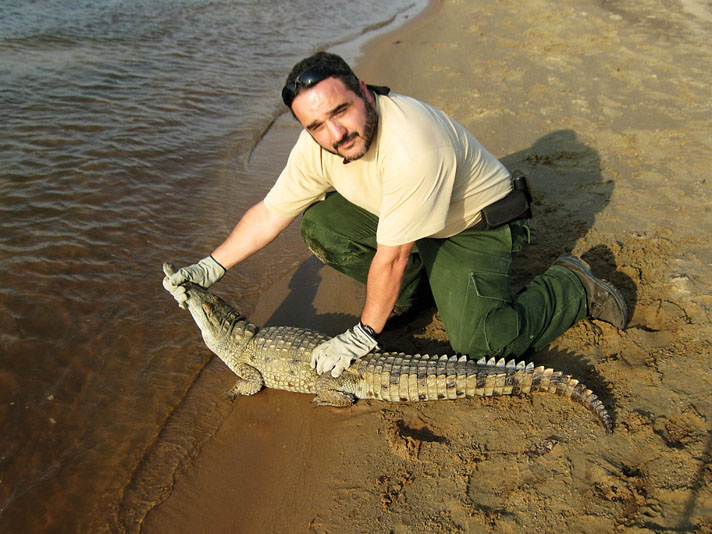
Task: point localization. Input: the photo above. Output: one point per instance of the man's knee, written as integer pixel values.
(496, 333)
(314, 238)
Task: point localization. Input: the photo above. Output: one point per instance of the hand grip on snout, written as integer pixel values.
(204, 273)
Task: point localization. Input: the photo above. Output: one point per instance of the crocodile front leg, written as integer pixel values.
(250, 381)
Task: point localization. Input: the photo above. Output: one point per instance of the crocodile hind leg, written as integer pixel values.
(250, 381)
(330, 392)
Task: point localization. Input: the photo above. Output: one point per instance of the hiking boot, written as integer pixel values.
(604, 301)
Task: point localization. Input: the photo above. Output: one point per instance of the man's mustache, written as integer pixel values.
(345, 139)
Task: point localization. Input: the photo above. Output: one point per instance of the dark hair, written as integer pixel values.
(325, 62)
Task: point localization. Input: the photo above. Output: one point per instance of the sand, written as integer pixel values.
(606, 107)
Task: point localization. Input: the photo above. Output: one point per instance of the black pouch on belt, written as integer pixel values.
(516, 205)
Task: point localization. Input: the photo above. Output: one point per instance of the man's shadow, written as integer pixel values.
(564, 176)
(569, 191)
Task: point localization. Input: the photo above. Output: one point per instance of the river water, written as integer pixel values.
(126, 133)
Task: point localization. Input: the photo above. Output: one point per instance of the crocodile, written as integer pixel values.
(279, 357)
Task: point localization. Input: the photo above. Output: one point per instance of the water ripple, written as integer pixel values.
(126, 131)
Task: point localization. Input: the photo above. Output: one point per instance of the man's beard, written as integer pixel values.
(369, 132)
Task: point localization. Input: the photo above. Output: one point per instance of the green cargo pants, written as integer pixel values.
(468, 275)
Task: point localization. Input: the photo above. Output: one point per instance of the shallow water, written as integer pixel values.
(127, 128)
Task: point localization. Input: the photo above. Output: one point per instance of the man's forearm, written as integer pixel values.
(255, 230)
(384, 284)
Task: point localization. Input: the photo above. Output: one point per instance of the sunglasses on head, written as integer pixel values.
(308, 78)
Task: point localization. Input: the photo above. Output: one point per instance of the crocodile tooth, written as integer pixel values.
(482, 361)
(530, 365)
(521, 365)
(491, 361)
(500, 362)
(511, 364)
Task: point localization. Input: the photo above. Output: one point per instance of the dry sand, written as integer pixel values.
(606, 106)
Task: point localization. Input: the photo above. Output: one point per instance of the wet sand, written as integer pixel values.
(606, 107)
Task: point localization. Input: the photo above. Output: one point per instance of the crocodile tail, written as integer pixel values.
(517, 378)
(400, 377)
(548, 380)
(523, 378)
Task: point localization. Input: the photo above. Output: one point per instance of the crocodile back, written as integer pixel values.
(282, 354)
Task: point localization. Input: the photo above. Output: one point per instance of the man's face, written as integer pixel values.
(338, 119)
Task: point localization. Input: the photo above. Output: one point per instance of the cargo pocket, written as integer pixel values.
(493, 286)
(489, 321)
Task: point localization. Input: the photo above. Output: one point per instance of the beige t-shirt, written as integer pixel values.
(424, 176)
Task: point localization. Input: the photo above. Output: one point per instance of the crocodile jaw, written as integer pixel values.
(224, 330)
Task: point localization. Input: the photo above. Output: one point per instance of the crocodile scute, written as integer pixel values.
(279, 357)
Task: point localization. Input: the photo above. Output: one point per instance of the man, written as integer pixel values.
(420, 211)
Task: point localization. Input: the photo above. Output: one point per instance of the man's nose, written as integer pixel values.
(336, 130)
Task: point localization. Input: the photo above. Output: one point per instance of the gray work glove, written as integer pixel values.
(337, 353)
(204, 273)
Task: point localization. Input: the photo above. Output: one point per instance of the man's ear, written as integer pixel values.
(366, 92)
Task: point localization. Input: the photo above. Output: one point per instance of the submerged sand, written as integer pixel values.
(606, 107)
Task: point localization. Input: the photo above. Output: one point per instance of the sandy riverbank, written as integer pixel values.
(606, 106)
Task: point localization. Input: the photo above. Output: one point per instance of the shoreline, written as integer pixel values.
(602, 110)
(307, 282)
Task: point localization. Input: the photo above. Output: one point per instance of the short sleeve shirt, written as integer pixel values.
(424, 175)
